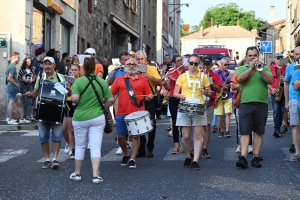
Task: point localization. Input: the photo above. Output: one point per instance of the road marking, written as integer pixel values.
(31, 133)
(62, 156)
(11, 153)
(111, 156)
(174, 157)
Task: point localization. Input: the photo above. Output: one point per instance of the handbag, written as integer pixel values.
(239, 91)
(108, 122)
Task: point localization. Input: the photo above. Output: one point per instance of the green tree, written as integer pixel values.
(228, 14)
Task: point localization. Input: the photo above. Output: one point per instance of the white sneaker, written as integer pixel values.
(170, 134)
(12, 122)
(67, 148)
(7, 119)
(22, 121)
(119, 151)
(238, 149)
(75, 177)
(250, 149)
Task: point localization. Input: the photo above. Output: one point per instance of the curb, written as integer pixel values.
(18, 127)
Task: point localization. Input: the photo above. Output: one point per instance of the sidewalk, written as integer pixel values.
(28, 126)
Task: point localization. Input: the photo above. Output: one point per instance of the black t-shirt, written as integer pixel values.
(61, 67)
(105, 69)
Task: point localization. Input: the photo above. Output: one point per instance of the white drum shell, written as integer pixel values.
(138, 123)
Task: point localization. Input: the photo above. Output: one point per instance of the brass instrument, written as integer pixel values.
(288, 56)
(280, 87)
(222, 94)
(259, 66)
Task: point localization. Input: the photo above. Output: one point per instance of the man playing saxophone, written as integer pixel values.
(224, 98)
(276, 90)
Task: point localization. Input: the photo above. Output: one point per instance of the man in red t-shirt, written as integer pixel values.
(215, 86)
(140, 87)
(278, 73)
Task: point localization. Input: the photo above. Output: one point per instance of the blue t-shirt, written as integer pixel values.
(288, 78)
(296, 76)
(37, 66)
(120, 72)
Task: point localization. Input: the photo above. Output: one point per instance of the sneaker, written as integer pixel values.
(170, 134)
(195, 166)
(205, 154)
(72, 154)
(12, 122)
(67, 148)
(7, 119)
(292, 148)
(227, 134)
(295, 158)
(215, 129)
(283, 129)
(119, 151)
(125, 160)
(75, 177)
(277, 135)
(132, 164)
(238, 149)
(187, 163)
(47, 164)
(23, 121)
(30, 118)
(250, 149)
(221, 134)
(55, 164)
(97, 180)
(255, 162)
(242, 163)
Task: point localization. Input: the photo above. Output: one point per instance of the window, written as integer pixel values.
(38, 27)
(64, 38)
(90, 6)
(134, 5)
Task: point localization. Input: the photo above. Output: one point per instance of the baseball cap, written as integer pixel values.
(278, 55)
(187, 53)
(49, 59)
(90, 51)
(206, 60)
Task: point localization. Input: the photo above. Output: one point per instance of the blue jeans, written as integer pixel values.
(278, 112)
(44, 131)
(215, 121)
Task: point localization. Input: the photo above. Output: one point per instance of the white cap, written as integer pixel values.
(49, 58)
(90, 51)
(187, 53)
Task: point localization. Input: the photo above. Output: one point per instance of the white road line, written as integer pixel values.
(8, 154)
(62, 156)
(174, 157)
(111, 156)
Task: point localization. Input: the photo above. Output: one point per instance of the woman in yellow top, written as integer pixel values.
(68, 130)
(193, 85)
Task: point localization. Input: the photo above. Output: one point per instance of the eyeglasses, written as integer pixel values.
(194, 63)
(226, 64)
(278, 58)
(179, 60)
(131, 64)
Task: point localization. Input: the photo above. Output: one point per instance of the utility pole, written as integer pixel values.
(141, 23)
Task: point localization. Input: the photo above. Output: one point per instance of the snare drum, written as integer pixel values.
(191, 108)
(138, 123)
(50, 103)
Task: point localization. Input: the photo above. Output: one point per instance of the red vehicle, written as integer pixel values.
(216, 52)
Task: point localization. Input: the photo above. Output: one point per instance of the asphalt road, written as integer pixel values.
(160, 177)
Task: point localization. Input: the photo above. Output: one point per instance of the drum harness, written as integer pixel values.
(131, 94)
(194, 83)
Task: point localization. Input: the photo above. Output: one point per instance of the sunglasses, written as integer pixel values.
(278, 58)
(194, 63)
(226, 64)
(179, 60)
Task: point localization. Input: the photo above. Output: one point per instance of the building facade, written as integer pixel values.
(29, 24)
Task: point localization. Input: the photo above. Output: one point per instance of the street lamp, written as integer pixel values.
(179, 5)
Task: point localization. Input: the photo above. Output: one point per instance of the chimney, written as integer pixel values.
(238, 21)
(272, 14)
(254, 31)
(201, 32)
(211, 22)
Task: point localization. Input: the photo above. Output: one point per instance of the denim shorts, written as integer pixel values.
(44, 131)
(12, 92)
(121, 125)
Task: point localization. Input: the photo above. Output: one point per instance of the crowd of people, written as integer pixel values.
(194, 92)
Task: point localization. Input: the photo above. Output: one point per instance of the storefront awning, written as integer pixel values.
(124, 26)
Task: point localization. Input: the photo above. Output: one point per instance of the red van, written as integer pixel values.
(216, 52)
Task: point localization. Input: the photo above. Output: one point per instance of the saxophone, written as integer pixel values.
(279, 89)
(222, 94)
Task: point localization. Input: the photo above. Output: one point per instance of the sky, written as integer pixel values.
(197, 8)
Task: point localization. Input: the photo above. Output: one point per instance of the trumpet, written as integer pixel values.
(259, 66)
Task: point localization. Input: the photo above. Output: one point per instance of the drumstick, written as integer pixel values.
(144, 95)
(20, 95)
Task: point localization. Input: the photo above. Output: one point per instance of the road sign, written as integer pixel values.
(266, 46)
(3, 43)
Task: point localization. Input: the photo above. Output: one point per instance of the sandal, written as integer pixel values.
(169, 128)
(175, 151)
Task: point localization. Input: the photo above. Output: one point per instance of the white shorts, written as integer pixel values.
(191, 120)
(293, 110)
